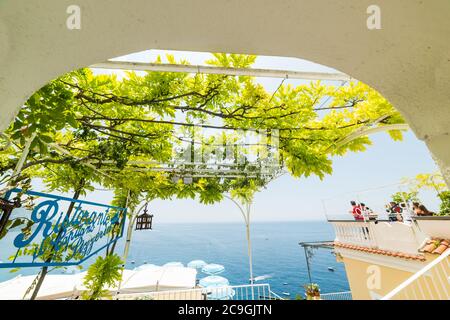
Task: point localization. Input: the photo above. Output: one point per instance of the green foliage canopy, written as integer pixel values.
(108, 124)
(103, 273)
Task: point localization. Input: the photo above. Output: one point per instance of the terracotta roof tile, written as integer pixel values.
(435, 246)
(390, 253)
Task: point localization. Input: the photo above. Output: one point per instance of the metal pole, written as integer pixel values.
(23, 157)
(249, 242)
(307, 264)
(246, 215)
(128, 241)
(365, 132)
(17, 170)
(265, 73)
(249, 247)
(405, 212)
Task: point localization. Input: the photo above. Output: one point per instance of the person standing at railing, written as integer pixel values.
(421, 210)
(356, 211)
(394, 211)
(368, 213)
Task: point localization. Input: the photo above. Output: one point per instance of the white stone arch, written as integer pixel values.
(407, 60)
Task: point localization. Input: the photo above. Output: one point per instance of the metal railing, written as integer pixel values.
(274, 296)
(242, 292)
(384, 235)
(344, 295)
(354, 232)
(430, 283)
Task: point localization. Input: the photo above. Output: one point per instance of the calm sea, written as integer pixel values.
(276, 252)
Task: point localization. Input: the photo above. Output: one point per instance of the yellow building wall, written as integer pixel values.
(372, 281)
(364, 278)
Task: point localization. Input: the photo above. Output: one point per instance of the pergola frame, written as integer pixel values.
(253, 72)
(230, 172)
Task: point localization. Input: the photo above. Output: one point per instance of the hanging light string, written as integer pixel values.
(365, 190)
(329, 97)
(278, 88)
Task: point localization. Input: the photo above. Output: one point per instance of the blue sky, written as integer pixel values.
(382, 166)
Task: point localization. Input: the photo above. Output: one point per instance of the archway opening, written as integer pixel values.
(98, 93)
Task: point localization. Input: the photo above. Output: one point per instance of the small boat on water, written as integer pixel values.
(285, 283)
(286, 293)
(331, 269)
(264, 277)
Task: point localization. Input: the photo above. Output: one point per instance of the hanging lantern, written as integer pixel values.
(145, 220)
(187, 180)
(175, 179)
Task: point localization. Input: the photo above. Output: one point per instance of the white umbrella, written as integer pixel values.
(174, 264)
(53, 287)
(217, 288)
(125, 276)
(216, 281)
(146, 266)
(159, 279)
(213, 268)
(219, 293)
(64, 286)
(196, 264)
(154, 278)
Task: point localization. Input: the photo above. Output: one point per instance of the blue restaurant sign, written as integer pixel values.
(55, 238)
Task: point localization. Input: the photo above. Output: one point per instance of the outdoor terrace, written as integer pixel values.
(420, 245)
(390, 238)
